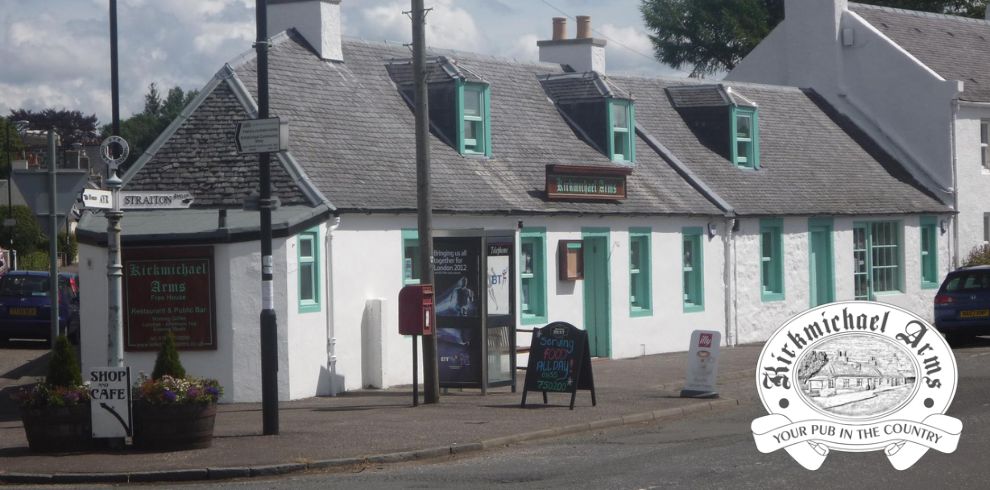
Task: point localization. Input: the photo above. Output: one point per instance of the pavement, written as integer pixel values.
(373, 427)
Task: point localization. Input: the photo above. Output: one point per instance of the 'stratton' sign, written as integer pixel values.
(155, 199)
(574, 182)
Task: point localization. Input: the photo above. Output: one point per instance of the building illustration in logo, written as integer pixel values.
(856, 376)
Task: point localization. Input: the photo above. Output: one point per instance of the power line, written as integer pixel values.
(600, 33)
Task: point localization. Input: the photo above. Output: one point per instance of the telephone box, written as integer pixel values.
(416, 316)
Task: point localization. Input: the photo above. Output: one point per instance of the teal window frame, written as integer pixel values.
(626, 135)
(749, 157)
(877, 259)
(533, 276)
(928, 234)
(473, 146)
(985, 144)
(640, 272)
(771, 259)
(312, 262)
(411, 273)
(692, 269)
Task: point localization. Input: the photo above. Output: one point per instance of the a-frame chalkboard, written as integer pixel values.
(559, 361)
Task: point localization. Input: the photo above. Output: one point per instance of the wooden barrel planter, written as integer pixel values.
(58, 429)
(173, 427)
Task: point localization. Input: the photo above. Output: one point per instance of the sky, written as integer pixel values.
(55, 53)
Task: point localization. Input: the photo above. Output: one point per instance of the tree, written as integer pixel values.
(27, 233)
(72, 126)
(711, 36)
(63, 368)
(141, 129)
(8, 133)
(167, 363)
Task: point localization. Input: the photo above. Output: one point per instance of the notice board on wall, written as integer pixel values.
(169, 289)
(559, 361)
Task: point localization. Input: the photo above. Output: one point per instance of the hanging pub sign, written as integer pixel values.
(169, 289)
(576, 182)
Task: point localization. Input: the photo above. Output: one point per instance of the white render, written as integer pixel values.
(901, 103)
(318, 21)
(361, 265)
(583, 55)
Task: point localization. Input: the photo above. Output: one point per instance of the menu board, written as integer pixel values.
(559, 361)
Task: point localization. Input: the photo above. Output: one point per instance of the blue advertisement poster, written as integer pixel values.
(460, 291)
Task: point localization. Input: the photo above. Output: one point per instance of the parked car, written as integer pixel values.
(962, 304)
(25, 310)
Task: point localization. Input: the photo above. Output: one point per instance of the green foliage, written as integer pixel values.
(712, 36)
(34, 261)
(63, 369)
(72, 126)
(68, 245)
(8, 132)
(980, 255)
(27, 233)
(141, 130)
(167, 362)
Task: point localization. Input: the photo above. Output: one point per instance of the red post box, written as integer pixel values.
(416, 316)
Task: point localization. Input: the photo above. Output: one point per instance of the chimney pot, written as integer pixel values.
(559, 28)
(583, 27)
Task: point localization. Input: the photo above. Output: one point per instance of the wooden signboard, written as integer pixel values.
(559, 361)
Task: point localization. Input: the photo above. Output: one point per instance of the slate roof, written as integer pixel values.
(438, 69)
(957, 48)
(715, 95)
(580, 86)
(812, 160)
(353, 135)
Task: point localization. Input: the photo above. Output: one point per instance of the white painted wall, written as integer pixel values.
(974, 180)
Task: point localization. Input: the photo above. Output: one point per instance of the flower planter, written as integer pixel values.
(58, 429)
(173, 427)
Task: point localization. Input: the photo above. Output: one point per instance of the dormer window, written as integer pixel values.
(475, 129)
(745, 137)
(459, 103)
(622, 127)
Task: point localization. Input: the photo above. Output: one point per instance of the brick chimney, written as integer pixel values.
(583, 53)
(318, 21)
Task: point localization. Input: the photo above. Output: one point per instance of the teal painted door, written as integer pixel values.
(596, 295)
(821, 282)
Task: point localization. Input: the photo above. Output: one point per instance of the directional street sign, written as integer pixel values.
(262, 135)
(95, 198)
(155, 199)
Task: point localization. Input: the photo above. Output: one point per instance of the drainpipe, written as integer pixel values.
(955, 184)
(728, 277)
(331, 340)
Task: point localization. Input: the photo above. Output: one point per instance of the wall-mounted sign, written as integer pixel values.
(574, 182)
(169, 289)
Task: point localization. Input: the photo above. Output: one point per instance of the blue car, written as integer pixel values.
(25, 311)
(962, 304)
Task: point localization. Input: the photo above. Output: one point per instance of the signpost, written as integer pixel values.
(702, 367)
(110, 401)
(269, 135)
(97, 199)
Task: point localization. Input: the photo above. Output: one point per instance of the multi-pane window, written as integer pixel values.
(533, 275)
(410, 257)
(692, 270)
(640, 294)
(309, 270)
(986, 227)
(985, 144)
(622, 131)
(877, 257)
(929, 252)
(475, 130)
(771, 260)
(745, 137)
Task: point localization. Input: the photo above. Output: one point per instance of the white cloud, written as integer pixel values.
(447, 26)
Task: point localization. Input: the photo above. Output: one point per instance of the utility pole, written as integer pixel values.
(269, 322)
(115, 274)
(52, 236)
(431, 382)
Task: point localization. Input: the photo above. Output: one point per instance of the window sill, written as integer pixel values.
(689, 308)
(930, 285)
(769, 297)
(309, 308)
(532, 319)
(635, 312)
(887, 293)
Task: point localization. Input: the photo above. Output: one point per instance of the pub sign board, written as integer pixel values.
(169, 289)
(577, 182)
